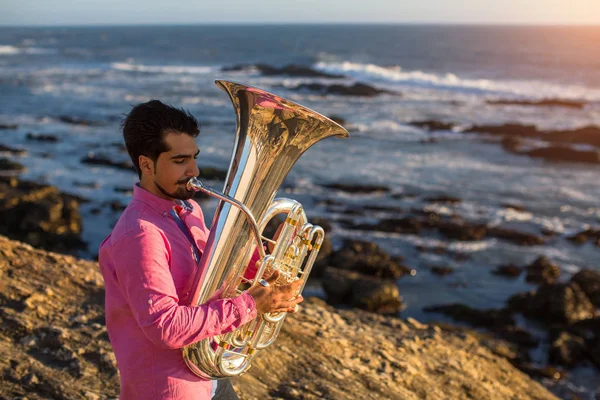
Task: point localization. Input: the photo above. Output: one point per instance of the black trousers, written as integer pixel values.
(225, 391)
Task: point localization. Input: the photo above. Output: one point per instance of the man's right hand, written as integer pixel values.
(274, 298)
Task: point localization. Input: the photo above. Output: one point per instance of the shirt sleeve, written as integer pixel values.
(141, 264)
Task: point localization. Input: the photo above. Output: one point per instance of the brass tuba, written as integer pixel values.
(272, 134)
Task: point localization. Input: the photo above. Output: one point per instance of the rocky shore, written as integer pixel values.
(53, 344)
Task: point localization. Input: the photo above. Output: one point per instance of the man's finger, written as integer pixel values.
(273, 277)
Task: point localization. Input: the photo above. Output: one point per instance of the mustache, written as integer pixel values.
(183, 181)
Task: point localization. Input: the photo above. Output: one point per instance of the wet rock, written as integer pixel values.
(566, 154)
(567, 350)
(93, 159)
(12, 150)
(358, 89)
(443, 199)
(506, 129)
(542, 270)
(489, 319)
(42, 138)
(540, 103)
(337, 119)
(212, 174)
(361, 291)
(442, 271)
(394, 225)
(516, 237)
(13, 166)
(509, 271)
(516, 207)
(8, 126)
(589, 281)
(77, 121)
(461, 230)
(554, 303)
(585, 135)
(433, 125)
(288, 70)
(357, 188)
(367, 258)
(584, 236)
(40, 215)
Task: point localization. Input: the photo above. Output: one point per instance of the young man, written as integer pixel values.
(148, 262)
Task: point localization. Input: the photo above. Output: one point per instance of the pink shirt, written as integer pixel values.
(147, 263)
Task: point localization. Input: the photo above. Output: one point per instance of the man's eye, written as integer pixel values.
(179, 162)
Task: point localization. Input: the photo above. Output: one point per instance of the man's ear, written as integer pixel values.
(146, 165)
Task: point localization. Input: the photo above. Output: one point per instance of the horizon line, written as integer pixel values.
(270, 23)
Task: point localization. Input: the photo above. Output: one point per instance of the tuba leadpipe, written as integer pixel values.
(272, 133)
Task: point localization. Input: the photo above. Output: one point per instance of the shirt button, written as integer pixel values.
(249, 310)
(150, 301)
(223, 325)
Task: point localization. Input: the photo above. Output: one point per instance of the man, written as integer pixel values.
(149, 259)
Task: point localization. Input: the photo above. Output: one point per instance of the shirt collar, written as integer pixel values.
(158, 204)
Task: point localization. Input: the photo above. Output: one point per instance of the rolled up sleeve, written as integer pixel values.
(141, 264)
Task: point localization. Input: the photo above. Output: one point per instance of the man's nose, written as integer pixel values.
(193, 169)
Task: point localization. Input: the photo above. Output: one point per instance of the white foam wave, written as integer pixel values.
(450, 81)
(164, 69)
(8, 50)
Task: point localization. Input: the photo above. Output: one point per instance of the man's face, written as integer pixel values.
(175, 167)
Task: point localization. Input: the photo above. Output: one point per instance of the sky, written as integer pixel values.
(134, 12)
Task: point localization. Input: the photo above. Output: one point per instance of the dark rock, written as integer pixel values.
(289, 70)
(516, 237)
(8, 126)
(542, 270)
(540, 103)
(212, 174)
(77, 121)
(11, 150)
(567, 154)
(42, 138)
(402, 225)
(517, 335)
(40, 216)
(567, 350)
(443, 199)
(8, 165)
(510, 271)
(337, 119)
(462, 230)
(94, 159)
(586, 135)
(367, 258)
(554, 303)
(511, 143)
(442, 271)
(361, 291)
(506, 129)
(433, 125)
(357, 188)
(589, 281)
(358, 89)
(584, 236)
(541, 372)
(479, 318)
(516, 207)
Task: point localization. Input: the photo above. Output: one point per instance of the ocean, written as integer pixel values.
(50, 76)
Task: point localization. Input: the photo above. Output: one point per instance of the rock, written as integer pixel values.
(589, 281)
(509, 271)
(432, 125)
(566, 154)
(461, 230)
(11, 166)
(506, 129)
(367, 258)
(442, 271)
(490, 319)
(585, 135)
(358, 89)
(42, 138)
(78, 121)
(540, 103)
(289, 70)
(443, 199)
(12, 150)
(542, 270)
(8, 126)
(40, 215)
(212, 174)
(320, 352)
(338, 119)
(567, 350)
(554, 303)
(584, 236)
(361, 291)
(516, 237)
(94, 159)
(395, 225)
(357, 188)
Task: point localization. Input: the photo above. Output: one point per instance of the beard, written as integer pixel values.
(180, 194)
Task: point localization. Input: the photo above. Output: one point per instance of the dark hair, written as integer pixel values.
(146, 125)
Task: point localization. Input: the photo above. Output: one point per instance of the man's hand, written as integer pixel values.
(276, 298)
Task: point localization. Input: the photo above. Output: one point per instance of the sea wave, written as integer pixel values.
(449, 81)
(164, 69)
(7, 50)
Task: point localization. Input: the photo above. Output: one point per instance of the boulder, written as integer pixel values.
(567, 350)
(589, 281)
(490, 319)
(585, 135)
(433, 125)
(288, 70)
(509, 271)
(94, 159)
(357, 188)
(358, 89)
(542, 270)
(540, 103)
(506, 129)
(566, 154)
(11, 166)
(12, 150)
(513, 236)
(42, 138)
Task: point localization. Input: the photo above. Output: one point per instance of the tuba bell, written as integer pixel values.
(272, 133)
